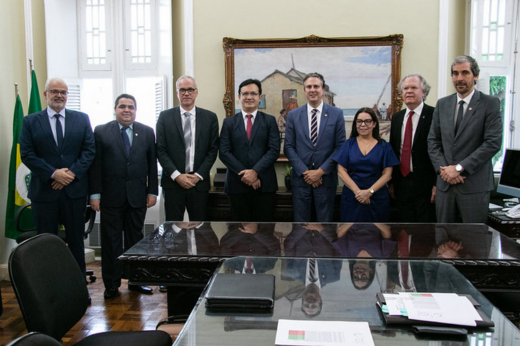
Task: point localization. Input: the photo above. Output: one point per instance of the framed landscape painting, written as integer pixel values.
(359, 72)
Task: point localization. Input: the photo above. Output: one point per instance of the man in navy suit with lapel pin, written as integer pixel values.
(249, 147)
(413, 184)
(57, 145)
(187, 147)
(123, 184)
(313, 135)
(466, 133)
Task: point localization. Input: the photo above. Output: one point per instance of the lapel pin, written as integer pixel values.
(136, 134)
(325, 114)
(470, 108)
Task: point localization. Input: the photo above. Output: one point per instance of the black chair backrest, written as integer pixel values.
(48, 284)
(34, 339)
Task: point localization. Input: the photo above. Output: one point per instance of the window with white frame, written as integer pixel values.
(492, 39)
(118, 54)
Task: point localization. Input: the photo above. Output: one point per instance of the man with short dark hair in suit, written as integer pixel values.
(466, 133)
(123, 184)
(187, 146)
(413, 184)
(57, 145)
(249, 147)
(313, 134)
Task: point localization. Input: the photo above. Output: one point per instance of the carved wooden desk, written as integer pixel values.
(184, 259)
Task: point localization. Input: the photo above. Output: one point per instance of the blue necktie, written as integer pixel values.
(59, 131)
(126, 141)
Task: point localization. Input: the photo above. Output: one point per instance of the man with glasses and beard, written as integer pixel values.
(57, 145)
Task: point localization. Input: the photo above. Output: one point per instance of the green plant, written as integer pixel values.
(288, 170)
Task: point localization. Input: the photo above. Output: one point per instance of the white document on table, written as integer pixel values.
(333, 333)
(448, 308)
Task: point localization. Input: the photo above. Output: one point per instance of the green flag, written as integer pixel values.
(35, 104)
(14, 200)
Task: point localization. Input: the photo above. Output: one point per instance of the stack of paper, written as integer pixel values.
(445, 308)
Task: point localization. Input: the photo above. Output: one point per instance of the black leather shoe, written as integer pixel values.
(140, 289)
(111, 293)
(163, 289)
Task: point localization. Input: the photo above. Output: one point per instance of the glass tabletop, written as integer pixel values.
(456, 242)
(345, 291)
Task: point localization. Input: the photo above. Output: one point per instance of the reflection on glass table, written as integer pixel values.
(342, 290)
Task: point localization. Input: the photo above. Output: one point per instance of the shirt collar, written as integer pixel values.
(131, 126)
(51, 112)
(319, 108)
(417, 110)
(467, 99)
(192, 111)
(253, 114)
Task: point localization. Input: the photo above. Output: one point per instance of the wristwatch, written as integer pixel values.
(459, 168)
(371, 191)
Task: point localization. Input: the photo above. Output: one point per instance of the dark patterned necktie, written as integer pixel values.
(314, 126)
(59, 131)
(126, 140)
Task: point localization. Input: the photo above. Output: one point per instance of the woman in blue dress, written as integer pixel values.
(365, 166)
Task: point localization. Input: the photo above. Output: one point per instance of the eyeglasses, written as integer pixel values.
(56, 92)
(367, 122)
(184, 91)
(247, 94)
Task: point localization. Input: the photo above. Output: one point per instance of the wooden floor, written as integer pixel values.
(129, 311)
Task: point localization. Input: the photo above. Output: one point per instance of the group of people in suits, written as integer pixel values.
(444, 156)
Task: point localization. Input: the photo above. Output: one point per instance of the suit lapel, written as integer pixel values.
(304, 120)
(323, 122)
(258, 121)
(46, 128)
(199, 124)
(399, 129)
(70, 120)
(473, 104)
(420, 125)
(116, 132)
(240, 126)
(178, 123)
(450, 110)
(136, 138)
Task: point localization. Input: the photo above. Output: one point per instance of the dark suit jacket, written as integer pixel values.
(171, 149)
(422, 165)
(302, 154)
(119, 178)
(260, 153)
(479, 138)
(40, 154)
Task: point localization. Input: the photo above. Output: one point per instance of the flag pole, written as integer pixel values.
(16, 89)
(30, 64)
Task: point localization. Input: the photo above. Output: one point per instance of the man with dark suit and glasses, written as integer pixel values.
(123, 184)
(249, 147)
(57, 145)
(187, 146)
(413, 182)
(466, 133)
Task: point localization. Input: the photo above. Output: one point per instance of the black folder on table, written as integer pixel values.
(241, 291)
(397, 319)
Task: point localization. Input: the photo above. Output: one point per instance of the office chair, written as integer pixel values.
(31, 231)
(34, 339)
(53, 296)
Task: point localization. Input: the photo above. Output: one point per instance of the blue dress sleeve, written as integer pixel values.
(389, 158)
(343, 155)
